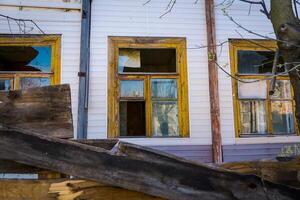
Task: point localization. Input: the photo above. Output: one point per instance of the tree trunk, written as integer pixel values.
(287, 30)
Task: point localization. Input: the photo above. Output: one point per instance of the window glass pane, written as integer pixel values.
(282, 117)
(25, 58)
(256, 90)
(256, 62)
(147, 60)
(165, 119)
(129, 59)
(282, 90)
(26, 83)
(164, 88)
(132, 118)
(5, 84)
(132, 88)
(253, 117)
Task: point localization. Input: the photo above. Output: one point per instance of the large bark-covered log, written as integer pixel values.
(45, 110)
(137, 168)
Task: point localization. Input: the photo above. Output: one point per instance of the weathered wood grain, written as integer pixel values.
(8, 166)
(287, 173)
(45, 110)
(65, 190)
(164, 175)
(213, 81)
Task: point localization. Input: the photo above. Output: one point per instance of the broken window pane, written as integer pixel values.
(129, 58)
(5, 84)
(26, 83)
(132, 118)
(256, 62)
(282, 117)
(164, 88)
(282, 90)
(256, 90)
(147, 60)
(25, 58)
(132, 88)
(165, 119)
(253, 117)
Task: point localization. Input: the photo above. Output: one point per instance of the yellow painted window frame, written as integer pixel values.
(254, 45)
(114, 43)
(35, 40)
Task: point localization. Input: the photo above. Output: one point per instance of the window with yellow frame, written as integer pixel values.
(258, 113)
(147, 87)
(29, 61)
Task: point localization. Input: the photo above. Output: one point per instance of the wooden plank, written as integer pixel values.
(213, 82)
(46, 110)
(137, 168)
(8, 166)
(107, 144)
(65, 190)
(279, 172)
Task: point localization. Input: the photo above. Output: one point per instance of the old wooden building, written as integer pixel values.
(156, 78)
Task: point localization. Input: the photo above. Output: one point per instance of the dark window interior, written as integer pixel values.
(132, 118)
(4, 84)
(25, 58)
(256, 62)
(149, 60)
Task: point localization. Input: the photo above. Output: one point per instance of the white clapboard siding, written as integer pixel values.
(52, 21)
(132, 18)
(226, 29)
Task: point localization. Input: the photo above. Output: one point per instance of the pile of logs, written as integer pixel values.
(102, 167)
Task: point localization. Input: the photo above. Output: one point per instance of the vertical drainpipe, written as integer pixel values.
(83, 74)
(213, 81)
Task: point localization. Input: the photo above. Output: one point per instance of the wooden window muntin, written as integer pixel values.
(255, 45)
(34, 40)
(115, 43)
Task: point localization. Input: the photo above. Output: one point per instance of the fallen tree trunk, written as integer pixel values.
(137, 168)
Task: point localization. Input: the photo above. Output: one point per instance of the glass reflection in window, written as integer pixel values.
(282, 90)
(165, 119)
(25, 58)
(132, 88)
(26, 83)
(164, 88)
(282, 117)
(5, 84)
(253, 117)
